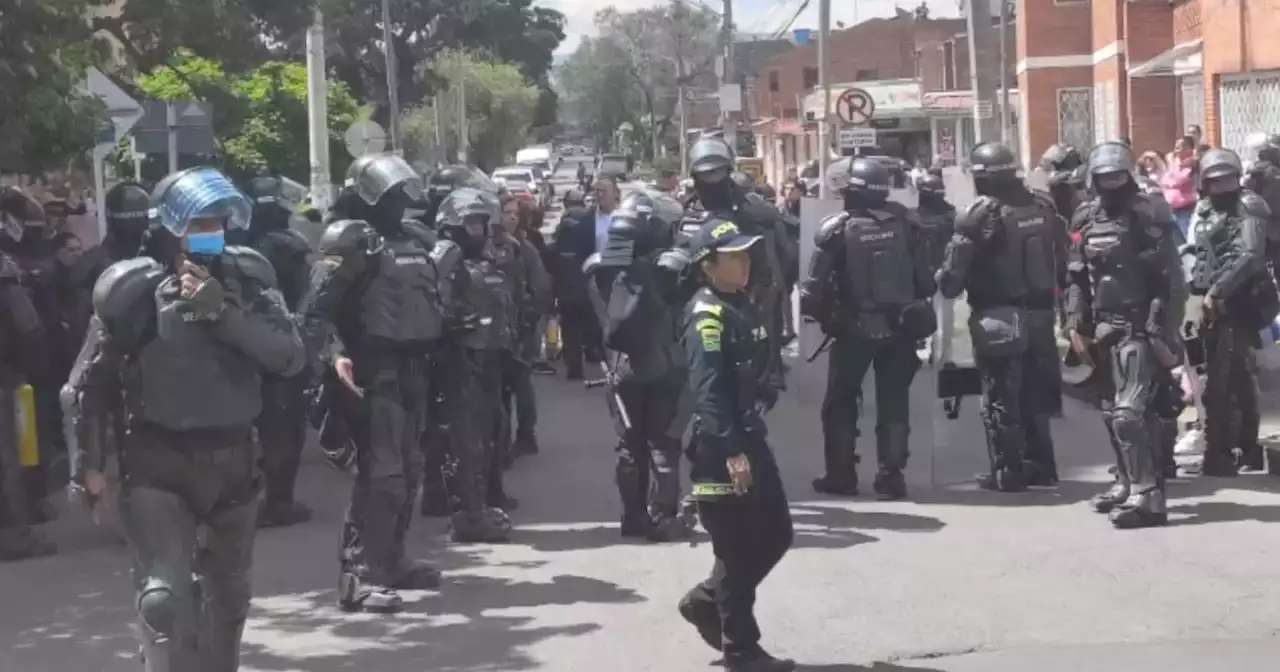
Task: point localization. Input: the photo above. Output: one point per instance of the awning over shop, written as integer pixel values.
(1181, 59)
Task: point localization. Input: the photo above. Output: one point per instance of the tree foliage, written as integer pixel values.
(647, 53)
(500, 105)
(261, 123)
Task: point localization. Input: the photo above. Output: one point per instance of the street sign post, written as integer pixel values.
(364, 138)
(853, 137)
(182, 125)
(124, 112)
(855, 106)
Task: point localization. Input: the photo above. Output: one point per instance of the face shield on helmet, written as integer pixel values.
(467, 208)
(710, 160)
(1112, 165)
(199, 194)
(1220, 172)
(379, 175)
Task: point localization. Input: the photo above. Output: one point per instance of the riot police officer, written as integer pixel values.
(869, 286)
(1006, 255)
(381, 287)
(473, 475)
(22, 339)
(633, 286)
(937, 217)
(282, 425)
(1229, 236)
(1262, 177)
(711, 163)
(740, 497)
(189, 341)
(1119, 302)
(1065, 169)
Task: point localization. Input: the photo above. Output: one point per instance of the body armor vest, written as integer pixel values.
(506, 254)
(878, 264)
(1115, 266)
(488, 300)
(401, 306)
(189, 381)
(1027, 266)
(937, 226)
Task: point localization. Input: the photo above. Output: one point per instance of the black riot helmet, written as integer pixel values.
(994, 168)
(1262, 146)
(743, 181)
(444, 181)
(390, 186)
(271, 209)
(1112, 166)
(127, 207)
(1220, 172)
(1060, 162)
(467, 216)
(653, 216)
(863, 182)
(710, 161)
(16, 209)
(932, 192)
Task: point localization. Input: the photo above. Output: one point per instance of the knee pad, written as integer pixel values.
(1127, 425)
(159, 606)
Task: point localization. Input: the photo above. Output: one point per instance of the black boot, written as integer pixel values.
(358, 595)
(491, 526)
(1141, 510)
(526, 443)
(633, 490)
(283, 514)
(892, 452)
(1040, 465)
(757, 660)
(1220, 465)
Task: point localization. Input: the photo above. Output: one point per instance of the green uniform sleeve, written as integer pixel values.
(712, 381)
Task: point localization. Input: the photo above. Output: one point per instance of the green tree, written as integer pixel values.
(500, 104)
(262, 122)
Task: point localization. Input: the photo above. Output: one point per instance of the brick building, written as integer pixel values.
(1145, 70)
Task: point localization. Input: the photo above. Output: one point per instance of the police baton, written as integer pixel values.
(610, 380)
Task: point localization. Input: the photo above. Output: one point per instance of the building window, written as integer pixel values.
(866, 75)
(919, 67)
(948, 66)
(1075, 117)
(773, 81)
(810, 78)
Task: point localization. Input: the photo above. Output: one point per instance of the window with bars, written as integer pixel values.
(1075, 117)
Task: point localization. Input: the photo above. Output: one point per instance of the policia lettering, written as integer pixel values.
(868, 286)
(189, 460)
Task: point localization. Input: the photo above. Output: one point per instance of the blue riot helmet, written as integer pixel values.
(1112, 165)
(200, 196)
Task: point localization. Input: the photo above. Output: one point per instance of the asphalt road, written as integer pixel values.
(957, 580)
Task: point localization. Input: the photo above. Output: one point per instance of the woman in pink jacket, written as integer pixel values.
(1178, 183)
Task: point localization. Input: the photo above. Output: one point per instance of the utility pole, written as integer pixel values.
(730, 124)
(983, 62)
(464, 134)
(318, 115)
(393, 92)
(1005, 124)
(824, 83)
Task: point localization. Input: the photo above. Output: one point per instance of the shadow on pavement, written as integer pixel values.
(1206, 513)
(1066, 493)
(873, 667)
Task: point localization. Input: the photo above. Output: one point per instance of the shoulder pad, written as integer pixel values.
(345, 236)
(446, 254)
(756, 207)
(124, 285)
(1044, 199)
(975, 215)
(420, 232)
(831, 226)
(591, 264)
(9, 269)
(1254, 205)
(250, 263)
(896, 209)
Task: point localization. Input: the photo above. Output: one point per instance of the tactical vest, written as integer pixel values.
(1027, 266)
(487, 298)
(1117, 273)
(878, 263)
(937, 227)
(688, 230)
(188, 381)
(649, 327)
(401, 304)
(508, 260)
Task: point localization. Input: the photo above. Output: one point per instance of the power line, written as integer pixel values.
(804, 4)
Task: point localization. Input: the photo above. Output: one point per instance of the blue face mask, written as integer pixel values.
(206, 244)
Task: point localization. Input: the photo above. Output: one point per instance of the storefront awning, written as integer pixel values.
(1181, 59)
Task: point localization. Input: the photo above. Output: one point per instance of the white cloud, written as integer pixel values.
(754, 16)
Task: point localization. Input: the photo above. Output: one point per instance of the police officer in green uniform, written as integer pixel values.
(741, 502)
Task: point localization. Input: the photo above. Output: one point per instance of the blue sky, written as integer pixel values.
(756, 16)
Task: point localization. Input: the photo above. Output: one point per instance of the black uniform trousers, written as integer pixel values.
(518, 399)
(1019, 394)
(172, 484)
(282, 433)
(13, 501)
(388, 464)
(749, 535)
(648, 468)
(472, 473)
(580, 330)
(1231, 390)
(848, 362)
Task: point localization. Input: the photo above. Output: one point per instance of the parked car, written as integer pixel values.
(525, 178)
(613, 166)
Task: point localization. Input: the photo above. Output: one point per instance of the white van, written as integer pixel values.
(539, 154)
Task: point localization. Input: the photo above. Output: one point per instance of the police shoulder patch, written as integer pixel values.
(710, 330)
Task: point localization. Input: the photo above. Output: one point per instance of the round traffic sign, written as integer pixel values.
(364, 138)
(855, 106)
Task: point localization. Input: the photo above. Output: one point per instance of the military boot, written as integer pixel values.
(1220, 464)
(357, 594)
(1140, 510)
(283, 514)
(490, 526)
(1252, 459)
(892, 452)
(1006, 446)
(1040, 464)
(416, 575)
(839, 451)
(526, 443)
(633, 490)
